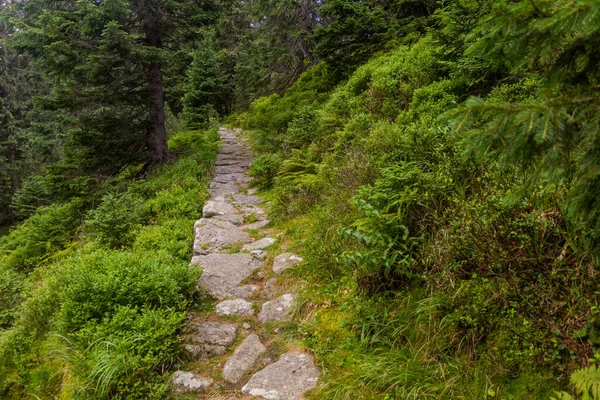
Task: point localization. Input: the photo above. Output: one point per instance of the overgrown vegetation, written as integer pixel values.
(93, 295)
(435, 162)
(442, 196)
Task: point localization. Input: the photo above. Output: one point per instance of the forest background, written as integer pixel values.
(435, 162)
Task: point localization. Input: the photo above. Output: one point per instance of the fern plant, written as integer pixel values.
(586, 382)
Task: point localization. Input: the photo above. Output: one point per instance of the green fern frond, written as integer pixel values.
(587, 382)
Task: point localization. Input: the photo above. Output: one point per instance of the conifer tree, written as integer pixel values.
(104, 61)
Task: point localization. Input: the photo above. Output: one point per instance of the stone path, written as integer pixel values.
(231, 354)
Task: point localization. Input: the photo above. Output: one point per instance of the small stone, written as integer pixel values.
(257, 225)
(213, 333)
(243, 358)
(276, 310)
(270, 288)
(287, 379)
(260, 244)
(244, 291)
(285, 261)
(252, 191)
(258, 254)
(200, 352)
(189, 382)
(234, 307)
(246, 325)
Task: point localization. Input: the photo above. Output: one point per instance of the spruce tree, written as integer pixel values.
(104, 61)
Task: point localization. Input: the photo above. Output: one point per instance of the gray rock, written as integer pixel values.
(212, 333)
(255, 211)
(287, 379)
(243, 358)
(201, 352)
(243, 291)
(234, 307)
(246, 200)
(238, 177)
(276, 310)
(212, 234)
(236, 219)
(285, 261)
(228, 169)
(218, 206)
(226, 161)
(270, 288)
(222, 273)
(257, 225)
(189, 382)
(246, 326)
(252, 192)
(223, 189)
(260, 244)
(232, 148)
(258, 254)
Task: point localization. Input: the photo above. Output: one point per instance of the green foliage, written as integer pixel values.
(353, 31)
(101, 320)
(548, 133)
(431, 253)
(586, 382)
(264, 169)
(209, 90)
(114, 221)
(49, 230)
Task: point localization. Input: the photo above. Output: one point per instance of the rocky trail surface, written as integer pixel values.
(233, 354)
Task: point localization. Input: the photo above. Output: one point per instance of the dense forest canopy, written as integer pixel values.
(437, 162)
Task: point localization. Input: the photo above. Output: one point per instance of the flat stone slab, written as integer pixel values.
(276, 310)
(260, 244)
(212, 333)
(244, 291)
(257, 225)
(239, 177)
(222, 273)
(234, 307)
(189, 382)
(285, 261)
(243, 358)
(287, 379)
(236, 219)
(212, 234)
(218, 206)
(200, 352)
(244, 200)
(258, 212)
(223, 189)
(228, 169)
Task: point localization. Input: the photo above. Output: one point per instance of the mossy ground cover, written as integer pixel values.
(433, 270)
(95, 291)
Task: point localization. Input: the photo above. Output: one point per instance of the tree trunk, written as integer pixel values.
(157, 133)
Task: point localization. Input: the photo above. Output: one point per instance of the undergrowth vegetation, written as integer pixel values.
(448, 254)
(95, 290)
